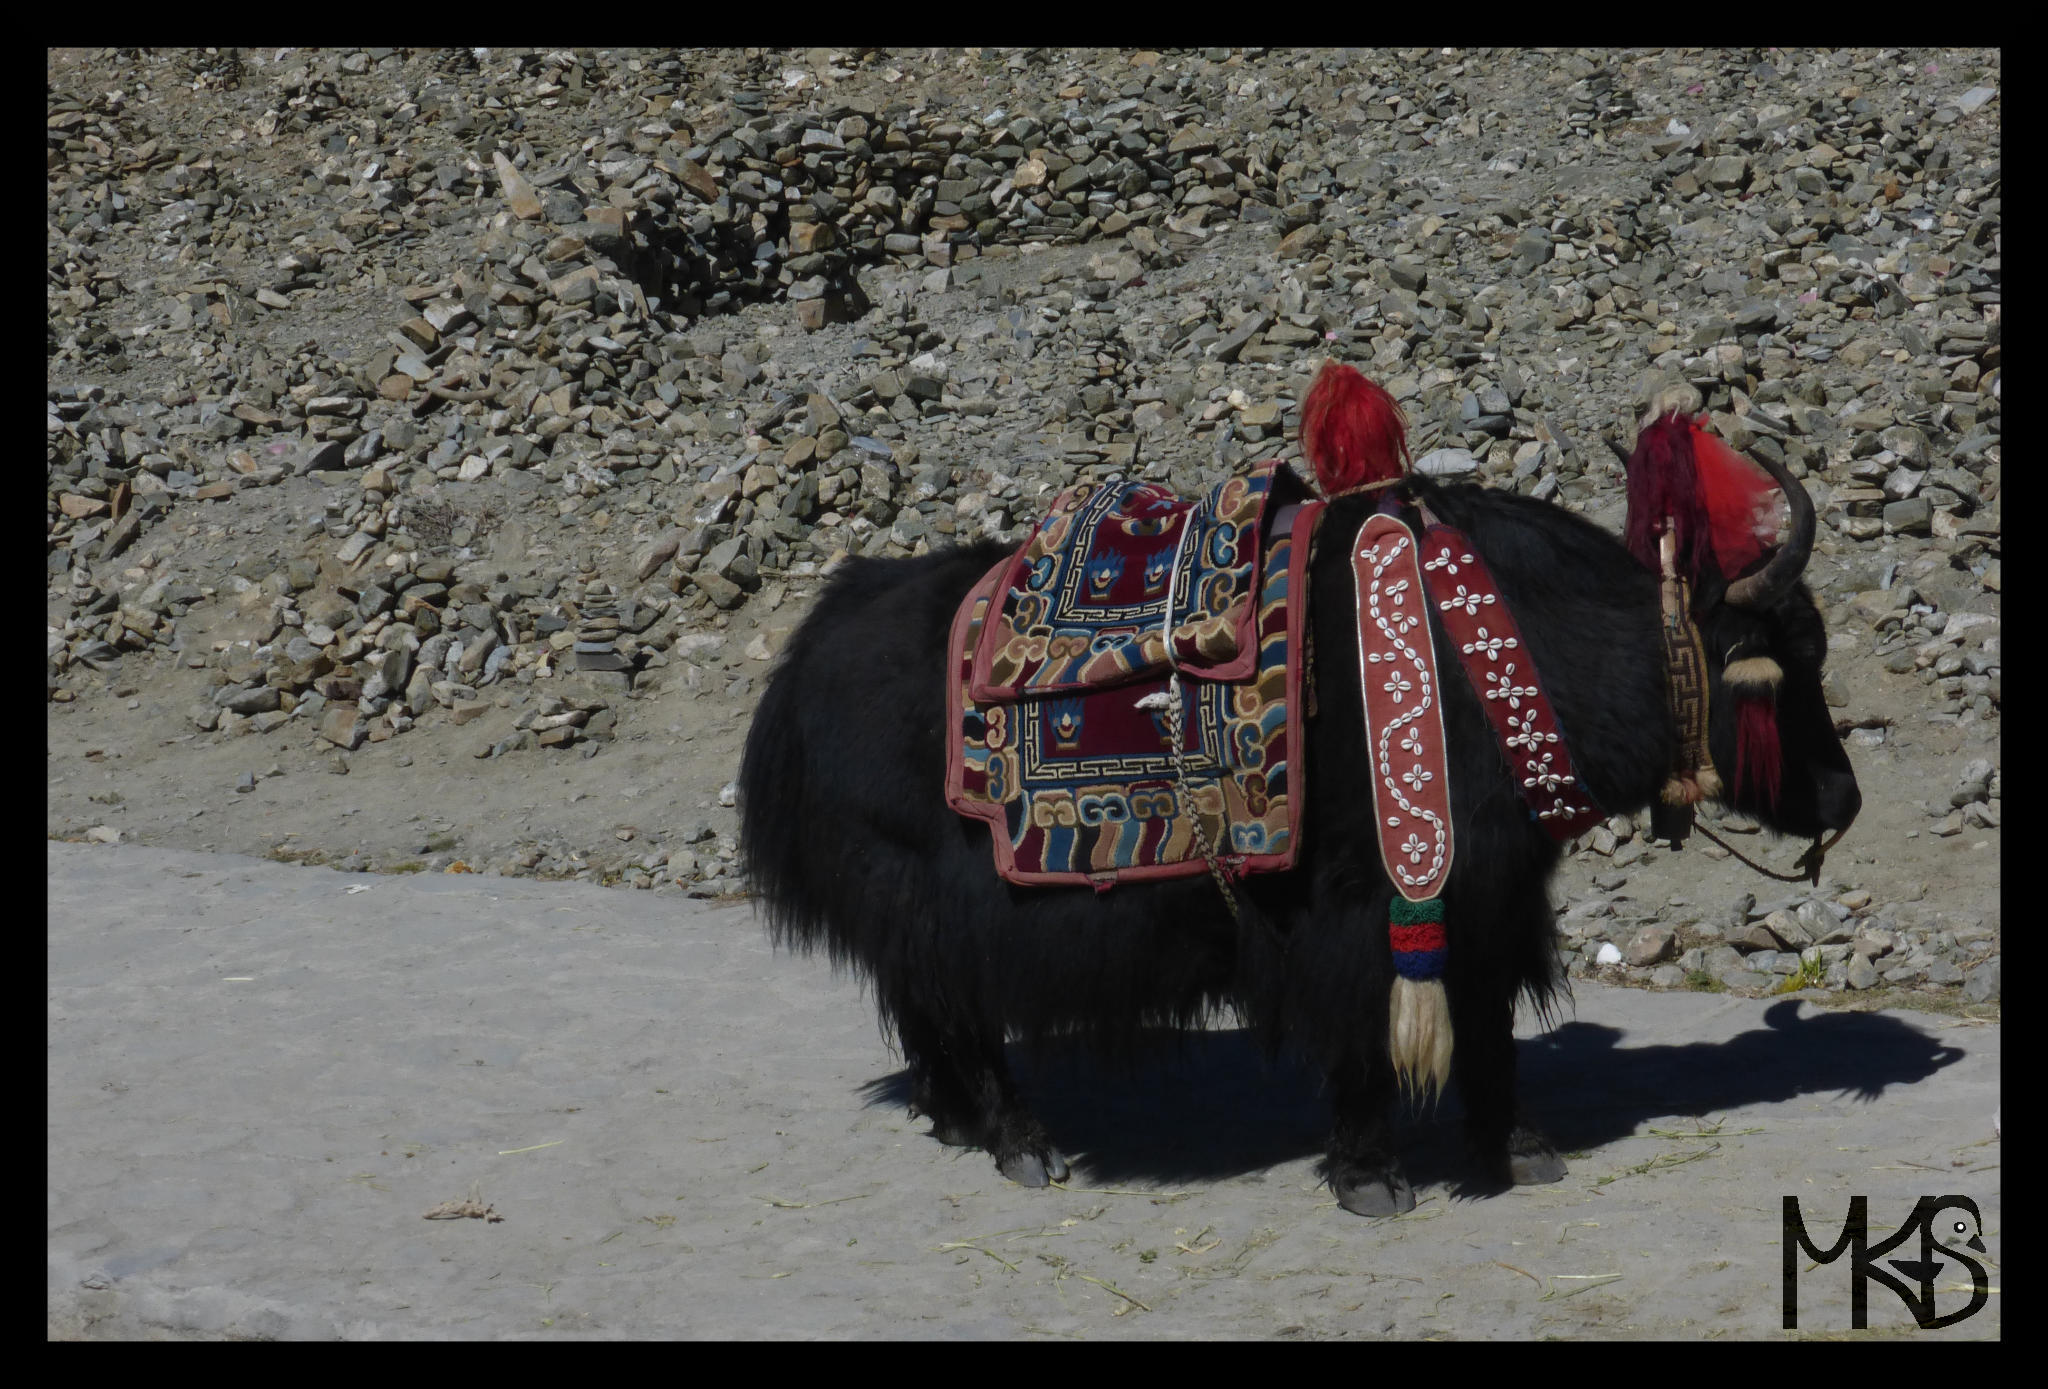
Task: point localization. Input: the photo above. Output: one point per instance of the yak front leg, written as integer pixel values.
(1360, 1166)
(962, 1082)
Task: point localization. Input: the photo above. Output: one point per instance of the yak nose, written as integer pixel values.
(1840, 800)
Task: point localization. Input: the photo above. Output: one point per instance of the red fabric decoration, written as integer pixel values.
(1351, 430)
(1738, 498)
(1720, 505)
(1661, 486)
(1487, 640)
(1756, 746)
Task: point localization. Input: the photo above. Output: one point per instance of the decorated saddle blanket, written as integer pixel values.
(1121, 581)
(1069, 754)
(1074, 775)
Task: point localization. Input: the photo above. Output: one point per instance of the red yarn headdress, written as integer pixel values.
(1721, 507)
(1352, 432)
(1722, 512)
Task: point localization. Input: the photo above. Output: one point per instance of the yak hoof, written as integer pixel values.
(954, 1135)
(1034, 1169)
(1532, 1161)
(1535, 1169)
(1374, 1193)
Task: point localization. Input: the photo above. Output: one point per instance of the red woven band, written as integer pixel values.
(1489, 646)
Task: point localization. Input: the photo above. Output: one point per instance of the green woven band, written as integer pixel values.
(1406, 913)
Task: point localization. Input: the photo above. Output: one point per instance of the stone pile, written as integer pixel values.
(1836, 937)
(364, 659)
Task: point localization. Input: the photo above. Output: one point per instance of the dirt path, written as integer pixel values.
(261, 1077)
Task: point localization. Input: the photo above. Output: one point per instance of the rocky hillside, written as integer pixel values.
(439, 444)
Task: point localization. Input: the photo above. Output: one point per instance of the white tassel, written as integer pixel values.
(1419, 1036)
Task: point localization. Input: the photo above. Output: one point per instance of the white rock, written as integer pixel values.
(1447, 463)
(1607, 954)
(695, 644)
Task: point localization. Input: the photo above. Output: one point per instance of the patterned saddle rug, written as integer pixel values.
(1055, 743)
(1122, 580)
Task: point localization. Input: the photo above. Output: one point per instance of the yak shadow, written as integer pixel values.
(1184, 1106)
(1588, 1089)
(1207, 1106)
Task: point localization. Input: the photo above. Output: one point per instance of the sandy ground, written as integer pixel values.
(261, 1077)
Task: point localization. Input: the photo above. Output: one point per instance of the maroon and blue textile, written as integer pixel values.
(1083, 606)
(1076, 781)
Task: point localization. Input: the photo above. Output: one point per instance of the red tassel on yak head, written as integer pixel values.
(1351, 431)
(1757, 761)
(1722, 508)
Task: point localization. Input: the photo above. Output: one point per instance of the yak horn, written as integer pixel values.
(1619, 452)
(1775, 579)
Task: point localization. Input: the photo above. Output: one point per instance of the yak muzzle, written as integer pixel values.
(1838, 800)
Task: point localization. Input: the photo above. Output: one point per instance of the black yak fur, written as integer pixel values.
(851, 846)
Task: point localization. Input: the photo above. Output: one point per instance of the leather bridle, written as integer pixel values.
(1806, 870)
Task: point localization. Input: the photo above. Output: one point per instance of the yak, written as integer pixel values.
(851, 847)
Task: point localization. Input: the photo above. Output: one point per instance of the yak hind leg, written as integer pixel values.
(1512, 1150)
(962, 1083)
(1360, 1167)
